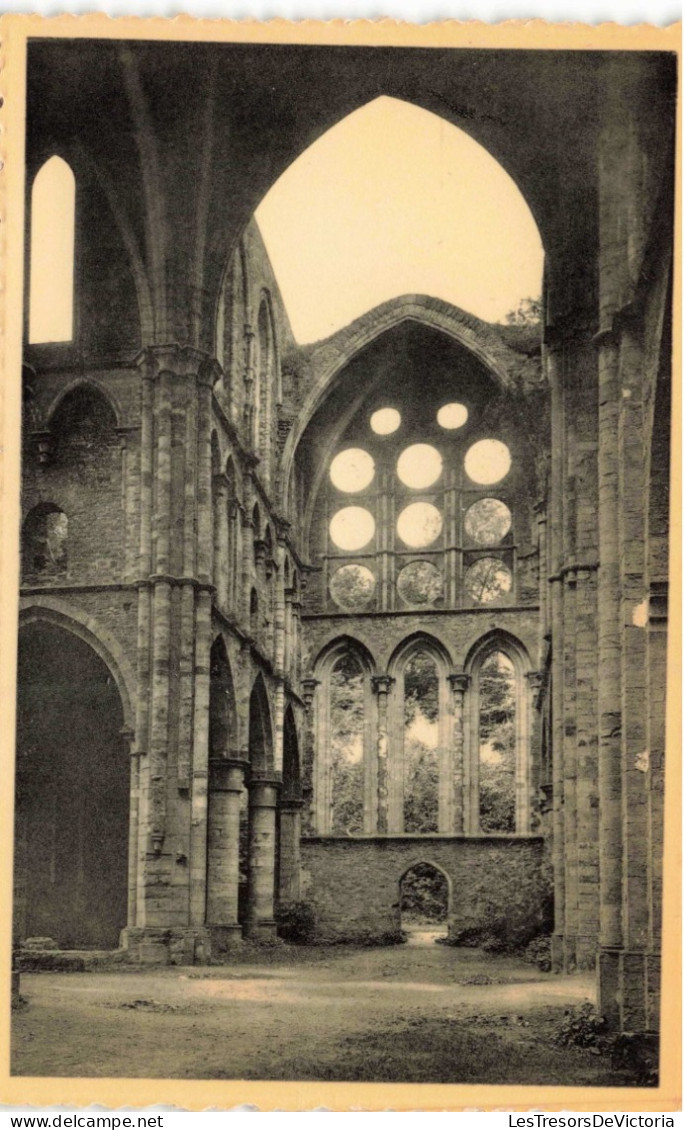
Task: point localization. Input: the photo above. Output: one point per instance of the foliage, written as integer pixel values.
(497, 732)
(538, 952)
(296, 923)
(528, 313)
(581, 1027)
(352, 586)
(421, 787)
(421, 761)
(346, 744)
(424, 894)
(421, 689)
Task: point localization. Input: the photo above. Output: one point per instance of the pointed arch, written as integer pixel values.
(292, 781)
(331, 651)
(87, 386)
(500, 725)
(53, 610)
(419, 641)
(51, 270)
(397, 140)
(260, 727)
(232, 320)
(267, 392)
(223, 736)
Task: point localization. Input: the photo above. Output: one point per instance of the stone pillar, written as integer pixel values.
(226, 782)
(260, 925)
(459, 685)
(290, 854)
(609, 686)
(553, 359)
(389, 819)
(221, 540)
(309, 823)
(133, 826)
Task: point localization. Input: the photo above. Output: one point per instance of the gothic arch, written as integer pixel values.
(331, 652)
(499, 641)
(333, 355)
(365, 772)
(414, 798)
(260, 727)
(87, 384)
(51, 306)
(53, 610)
(292, 781)
(419, 641)
(223, 735)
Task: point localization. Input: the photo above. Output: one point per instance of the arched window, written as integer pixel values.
(347, 745)
(53, 213)
(420, 757)
(44, 542)
(253, 613)
(500, 726)
(344, 722)
(496, 744)
(84, 424)
(265, 390)
(421, 740)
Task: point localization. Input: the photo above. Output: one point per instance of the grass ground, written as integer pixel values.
(416, 1013)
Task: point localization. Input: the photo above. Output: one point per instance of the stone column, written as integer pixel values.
(554, 367)
(308, 755)
(388, 820)
(290, 853)
(459, 685)
(260, 925)
(609, 686)
(221, 541)
(127, 737)
(226, 782)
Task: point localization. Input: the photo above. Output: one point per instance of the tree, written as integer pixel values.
(346, 744)
(497, 744)
(528, 313)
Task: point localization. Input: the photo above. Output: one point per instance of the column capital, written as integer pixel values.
(264, 785)
(459, 681)
(308, 690)
(382, 684)
(290, 804)
(534, 678)
(227, 774)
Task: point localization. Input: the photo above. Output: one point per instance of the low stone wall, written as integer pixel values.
(352, 883)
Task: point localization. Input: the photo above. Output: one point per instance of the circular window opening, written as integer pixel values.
(352, 469)
(452, 416)
(488, 461)
(352, 528)
(420, 583)
(385, 421)
(419, 466)
(419, 524)
(352, 586)
(487, 579)
(487, 521)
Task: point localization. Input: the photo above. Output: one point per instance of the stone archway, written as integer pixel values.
(72, 793)
(424, 903)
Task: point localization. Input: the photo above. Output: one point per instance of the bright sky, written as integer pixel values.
(394, 200)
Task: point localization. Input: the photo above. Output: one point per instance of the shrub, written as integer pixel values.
(296, 923)
(580, 1028)
(538, 952)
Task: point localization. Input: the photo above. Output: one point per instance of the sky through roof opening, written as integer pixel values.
(395, 200)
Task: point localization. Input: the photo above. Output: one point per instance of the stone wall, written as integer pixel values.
(353, 883)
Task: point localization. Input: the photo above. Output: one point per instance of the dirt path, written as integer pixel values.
(418, 1013)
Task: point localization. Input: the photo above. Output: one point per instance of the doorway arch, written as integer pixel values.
(72, 792)
(425, 901)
